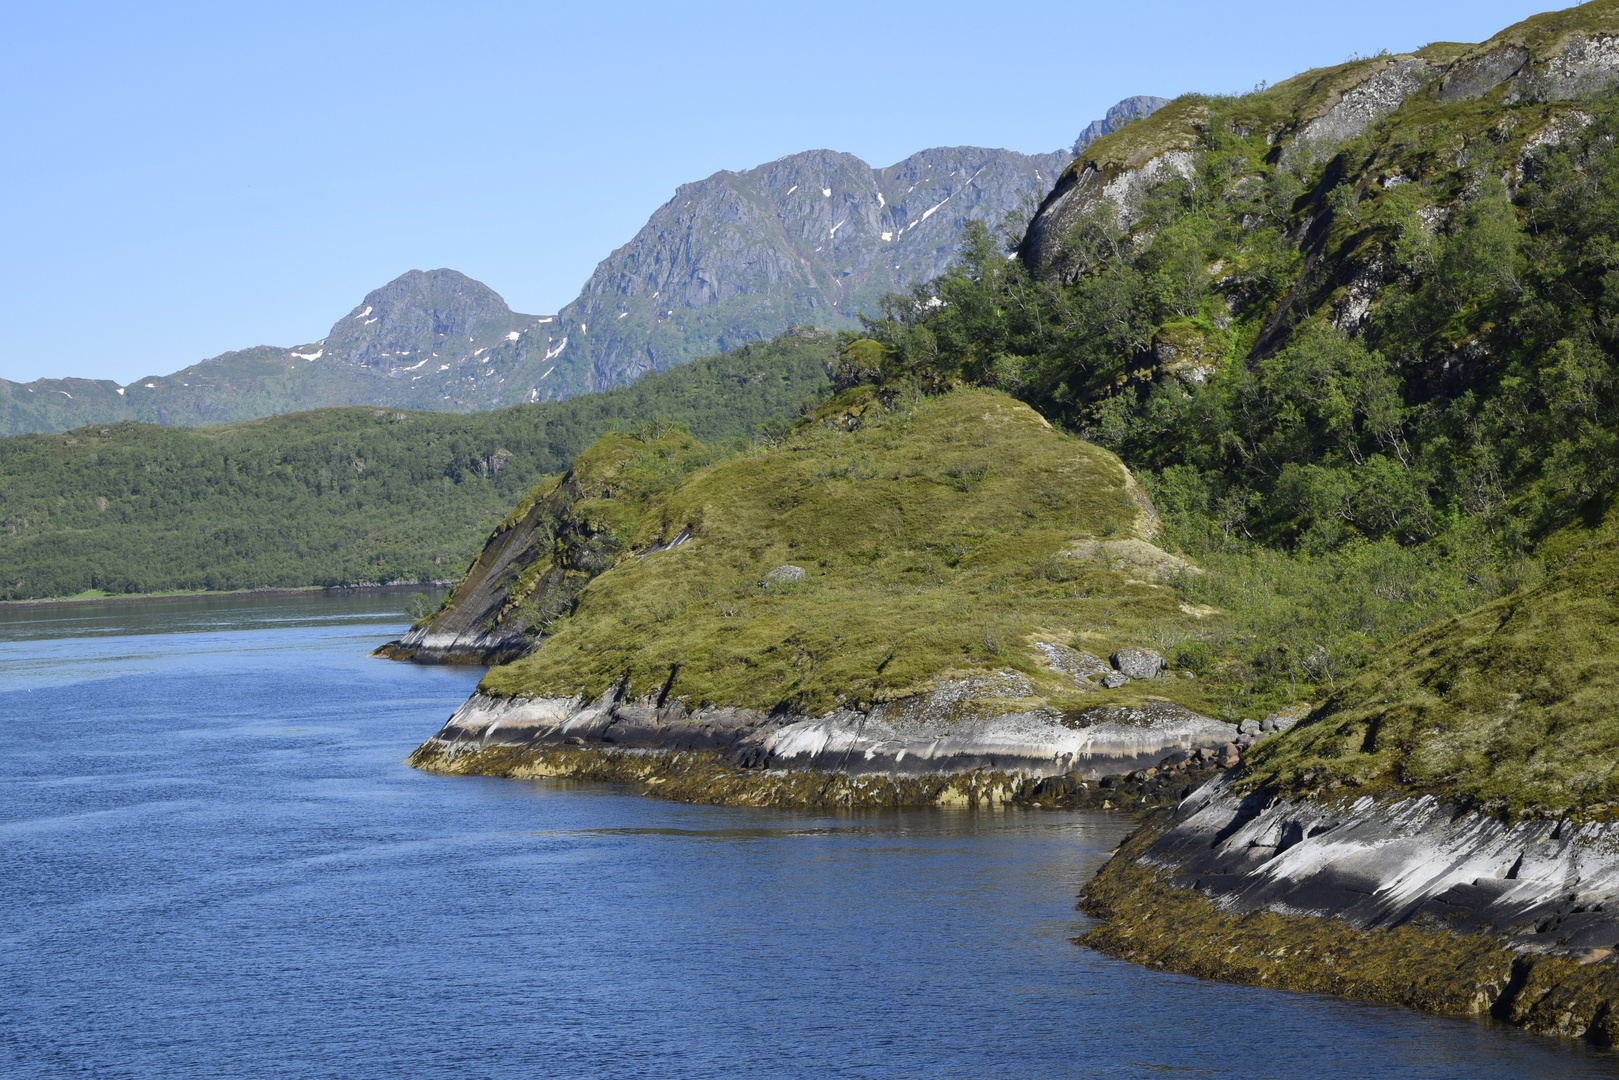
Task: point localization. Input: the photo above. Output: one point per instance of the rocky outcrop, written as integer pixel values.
(1559, 56)
(1405, 900)
(535, 564)
(1582, 65)
(961, 726)
(1100, 187)
(1376, 94)
(1541, 885)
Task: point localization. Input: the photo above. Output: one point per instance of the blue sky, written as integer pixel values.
(184, 179)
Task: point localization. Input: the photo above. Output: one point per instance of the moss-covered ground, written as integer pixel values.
(932, 537)
(1513, 707)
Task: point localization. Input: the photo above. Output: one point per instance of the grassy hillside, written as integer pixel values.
(933, 540)
(336, 495)
(1513, 706)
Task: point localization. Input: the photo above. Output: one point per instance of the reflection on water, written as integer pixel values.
(215, 864)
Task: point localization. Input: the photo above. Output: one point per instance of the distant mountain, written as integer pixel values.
(811, 239)
(421, 341)
(1131, 108)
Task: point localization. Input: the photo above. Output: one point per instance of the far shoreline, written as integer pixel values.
(296, 590)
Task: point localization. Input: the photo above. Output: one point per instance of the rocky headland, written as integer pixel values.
(806, 608)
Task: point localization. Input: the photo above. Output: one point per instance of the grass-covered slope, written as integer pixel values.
(337, 495)
(1513, 707)
(933, 540)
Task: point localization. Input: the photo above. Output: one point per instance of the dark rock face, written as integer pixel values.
(1549, 886)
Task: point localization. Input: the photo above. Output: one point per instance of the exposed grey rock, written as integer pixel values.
(1139, 663)
(1374, 97)
(1093, 191)
(1078, 666)
(1362, 288)
(1250, 727)
(1473, 77)
(1585, 65)
(1114, 679)
(961, 725)
(781, 575)
(1133, 556)
(1548, 886)
(1283, 719)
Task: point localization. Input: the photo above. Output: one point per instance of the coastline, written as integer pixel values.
(1152, 920)
(703, 777)
(295, 590)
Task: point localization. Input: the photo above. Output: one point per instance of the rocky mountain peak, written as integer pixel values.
(420, 316)
(812, 239)
(1131, 108)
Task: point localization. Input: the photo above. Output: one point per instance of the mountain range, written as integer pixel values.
(811, 239)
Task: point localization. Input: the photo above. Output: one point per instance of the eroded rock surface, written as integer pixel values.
(957, 727)
(1548, 886)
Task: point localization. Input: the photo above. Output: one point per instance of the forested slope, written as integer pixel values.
(339, 495)
(1355, 332)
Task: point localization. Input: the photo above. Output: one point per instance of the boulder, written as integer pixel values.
(781, 575)
(1283, 719)
(1114, 679)
(1251, 727)
(1139, 663)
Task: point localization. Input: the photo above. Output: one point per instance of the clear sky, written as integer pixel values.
(183, 179)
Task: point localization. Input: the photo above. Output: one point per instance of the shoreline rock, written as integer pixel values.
(1404, 901)
(950, 729)
(703, 776)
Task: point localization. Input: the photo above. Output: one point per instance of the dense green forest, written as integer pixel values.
(339, 495)
(1350, 473)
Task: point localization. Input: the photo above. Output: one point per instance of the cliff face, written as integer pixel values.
(1550, 58)
(891, 590)
(533, 567)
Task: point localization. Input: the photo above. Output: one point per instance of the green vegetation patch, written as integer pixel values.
(341, 495)
(1512, 707)
(932, 538)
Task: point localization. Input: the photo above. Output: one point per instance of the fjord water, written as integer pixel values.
(214, 863)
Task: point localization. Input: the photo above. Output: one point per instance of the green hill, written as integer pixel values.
(339, 495)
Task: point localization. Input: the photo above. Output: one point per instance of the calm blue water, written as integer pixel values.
(213, 863)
